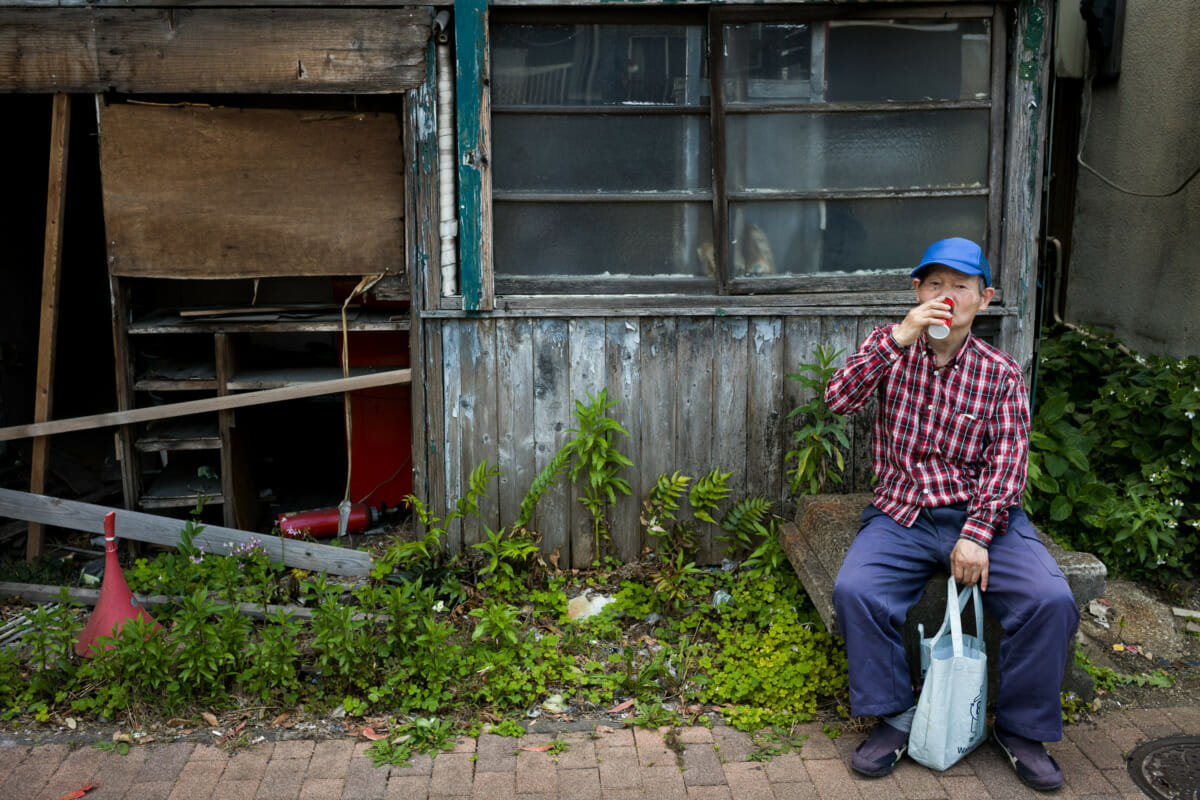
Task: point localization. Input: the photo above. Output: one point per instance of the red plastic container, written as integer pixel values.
(322, 523)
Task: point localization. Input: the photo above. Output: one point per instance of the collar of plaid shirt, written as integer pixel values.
(951, 435)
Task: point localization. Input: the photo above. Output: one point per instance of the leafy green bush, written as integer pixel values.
(775, 662)
(1114, 453)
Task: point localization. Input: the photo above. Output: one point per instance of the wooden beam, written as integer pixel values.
(262, 397)
(423, 253)
(246, 50)
(1028, 114)
(165, 531)
(40, 593)
(56, 194)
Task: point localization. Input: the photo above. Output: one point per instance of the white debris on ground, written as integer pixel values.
(585, 605)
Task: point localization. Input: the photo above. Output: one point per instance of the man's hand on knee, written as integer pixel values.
(969, 564)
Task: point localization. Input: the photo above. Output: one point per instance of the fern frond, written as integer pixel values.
(707, 493)
(743, 517)
(549, 477)
(665, 494)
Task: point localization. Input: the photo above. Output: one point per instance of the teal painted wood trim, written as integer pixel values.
(470, 37)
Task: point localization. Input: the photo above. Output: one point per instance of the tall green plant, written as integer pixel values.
(597, 460)
(819, 446)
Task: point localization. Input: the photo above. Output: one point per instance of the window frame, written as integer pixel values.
(725, 290)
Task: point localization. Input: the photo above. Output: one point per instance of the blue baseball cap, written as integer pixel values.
(957, 254)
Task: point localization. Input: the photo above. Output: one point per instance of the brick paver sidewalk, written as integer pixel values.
(620, 764)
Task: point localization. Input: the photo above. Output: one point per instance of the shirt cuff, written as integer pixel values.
(977, 531)
(890, 346)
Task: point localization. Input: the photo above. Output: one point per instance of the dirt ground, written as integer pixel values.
(1134, 630)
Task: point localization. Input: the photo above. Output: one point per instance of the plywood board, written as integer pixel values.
(199, 192)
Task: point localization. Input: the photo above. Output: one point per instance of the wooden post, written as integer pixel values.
(60, 130)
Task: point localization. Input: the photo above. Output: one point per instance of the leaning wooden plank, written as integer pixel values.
(51, 281)
(220, 50)
(165, 531)
(169, 410)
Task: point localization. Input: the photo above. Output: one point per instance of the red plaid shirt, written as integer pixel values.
(942, 435)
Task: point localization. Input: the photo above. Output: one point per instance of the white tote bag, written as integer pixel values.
(950, 719)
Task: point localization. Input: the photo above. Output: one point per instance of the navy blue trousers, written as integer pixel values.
(881, 579)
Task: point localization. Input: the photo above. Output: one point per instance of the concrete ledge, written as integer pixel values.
(816, 543)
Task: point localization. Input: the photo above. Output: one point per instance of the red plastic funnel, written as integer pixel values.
(116, 605)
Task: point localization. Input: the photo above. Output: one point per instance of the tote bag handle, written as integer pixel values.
(953, 616)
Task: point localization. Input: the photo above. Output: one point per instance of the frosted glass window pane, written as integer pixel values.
(599, 154)
(599, 65)
(768, 62)
(898, 150)
(846, 236)
(611, 240)
(908, 61)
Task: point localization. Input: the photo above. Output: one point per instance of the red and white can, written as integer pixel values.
(940, 330)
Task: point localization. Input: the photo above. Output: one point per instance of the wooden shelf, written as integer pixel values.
(298, 319)
(187, 433)
(178, 486)
(178, 376)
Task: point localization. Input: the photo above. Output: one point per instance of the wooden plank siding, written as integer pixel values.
(552, 419)
(695, 393)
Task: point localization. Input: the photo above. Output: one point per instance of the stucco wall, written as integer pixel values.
(1135, 265)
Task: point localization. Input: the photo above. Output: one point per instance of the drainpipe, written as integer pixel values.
(447, 157)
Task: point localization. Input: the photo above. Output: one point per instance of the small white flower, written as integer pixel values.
(439, 606)
(1172, 524)
(1190, 414)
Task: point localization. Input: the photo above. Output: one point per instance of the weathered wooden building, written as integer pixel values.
(676, 202)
